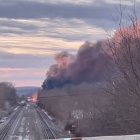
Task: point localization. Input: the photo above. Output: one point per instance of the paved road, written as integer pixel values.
(31, 123)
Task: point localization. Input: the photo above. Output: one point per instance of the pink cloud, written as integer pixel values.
(23, 77)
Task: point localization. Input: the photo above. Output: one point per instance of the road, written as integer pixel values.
(28, 123)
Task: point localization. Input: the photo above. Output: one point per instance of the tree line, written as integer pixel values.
(7, 94)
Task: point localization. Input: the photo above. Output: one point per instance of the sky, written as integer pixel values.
(33, 31)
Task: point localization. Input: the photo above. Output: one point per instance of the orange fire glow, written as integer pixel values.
(34, 98)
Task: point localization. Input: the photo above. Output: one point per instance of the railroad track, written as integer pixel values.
(47, 131)
(6, 128)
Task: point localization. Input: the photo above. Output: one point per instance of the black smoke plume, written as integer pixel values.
(89, 65)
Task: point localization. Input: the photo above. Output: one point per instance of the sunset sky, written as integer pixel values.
(32, 31)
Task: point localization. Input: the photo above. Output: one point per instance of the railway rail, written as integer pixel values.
(6, 128)
(47, 131)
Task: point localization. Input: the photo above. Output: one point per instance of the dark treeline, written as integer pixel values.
(7, 95)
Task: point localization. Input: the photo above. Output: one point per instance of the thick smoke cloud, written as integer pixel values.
(94, 62)
(89, 65)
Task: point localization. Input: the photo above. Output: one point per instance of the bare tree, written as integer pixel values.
(125, 89)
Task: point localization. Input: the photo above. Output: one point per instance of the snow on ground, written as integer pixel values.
(128, 137)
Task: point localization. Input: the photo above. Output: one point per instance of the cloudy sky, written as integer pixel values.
(32, 31)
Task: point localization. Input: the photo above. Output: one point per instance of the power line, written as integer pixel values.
(69, 95)
(50, 96)
(57, 96)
